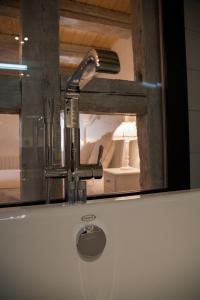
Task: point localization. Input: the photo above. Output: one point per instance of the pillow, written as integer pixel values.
(86, 152)
(9, 179)
(108, 156)
(109, 147)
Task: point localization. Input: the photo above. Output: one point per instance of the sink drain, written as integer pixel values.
(91, 241)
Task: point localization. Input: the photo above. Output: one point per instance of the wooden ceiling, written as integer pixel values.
(83, 24)
(116, 5)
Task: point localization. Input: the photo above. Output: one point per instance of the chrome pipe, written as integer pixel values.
(97, 60)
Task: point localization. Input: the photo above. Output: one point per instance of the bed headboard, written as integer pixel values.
(9, 162)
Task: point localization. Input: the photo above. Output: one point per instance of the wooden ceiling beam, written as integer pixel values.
(8, 42)
(95, 26)
(9, 8)
(79, 50)
(83, 17)
(87, 12)
(94, 19)
(70, 54)
(9, 48)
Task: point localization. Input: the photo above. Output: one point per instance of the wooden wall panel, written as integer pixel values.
(147, 68)
(40, 23)
(10, 94)
(117, 5)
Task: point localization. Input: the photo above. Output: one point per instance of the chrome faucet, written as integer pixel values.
(74, 173)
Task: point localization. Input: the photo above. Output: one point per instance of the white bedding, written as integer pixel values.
(95, 186)
(9, 185)
(9, 179)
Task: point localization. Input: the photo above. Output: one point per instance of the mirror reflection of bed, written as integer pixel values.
(96, 130)
(9, 158)
(9, 185)
(100, 129)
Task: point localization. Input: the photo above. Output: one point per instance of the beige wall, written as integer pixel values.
(9, 141)
(192, 32)
(125, 52)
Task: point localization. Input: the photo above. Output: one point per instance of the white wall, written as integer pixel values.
(101, 126)
(192, 31)
(124, 49)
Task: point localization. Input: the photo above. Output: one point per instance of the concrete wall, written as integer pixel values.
(192, 32)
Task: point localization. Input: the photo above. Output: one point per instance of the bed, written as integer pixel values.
(9, 185)
(112, 158)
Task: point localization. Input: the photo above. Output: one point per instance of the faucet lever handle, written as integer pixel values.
(100, 155)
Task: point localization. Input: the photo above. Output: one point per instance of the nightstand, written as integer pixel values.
(121, 180)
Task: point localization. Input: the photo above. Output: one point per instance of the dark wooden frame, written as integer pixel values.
(176, 98)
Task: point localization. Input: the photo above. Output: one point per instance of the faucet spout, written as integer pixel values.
(97, 60)
(75, 174)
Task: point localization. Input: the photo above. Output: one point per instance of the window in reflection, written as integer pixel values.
(121, 163)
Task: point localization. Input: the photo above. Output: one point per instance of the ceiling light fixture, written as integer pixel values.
(4, 66)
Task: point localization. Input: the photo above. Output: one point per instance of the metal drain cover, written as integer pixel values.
(91, 241)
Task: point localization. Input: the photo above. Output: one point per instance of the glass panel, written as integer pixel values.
(24, 45)
(9, 158)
